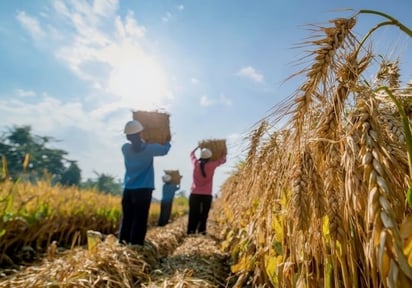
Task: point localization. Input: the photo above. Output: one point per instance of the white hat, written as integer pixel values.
(133, 127)
(205, 153)
(166, 178)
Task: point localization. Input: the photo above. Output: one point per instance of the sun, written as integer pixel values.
(140, 83)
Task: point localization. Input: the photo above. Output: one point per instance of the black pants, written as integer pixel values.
(199, 206)
(135, 205)
(165, 211)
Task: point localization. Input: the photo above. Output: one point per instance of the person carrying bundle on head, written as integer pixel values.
(200, 199)
(138, 183)
(168, 193)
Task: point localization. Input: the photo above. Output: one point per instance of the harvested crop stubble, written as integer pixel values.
(167, 238)
(156, 126)
(194, 261)
(168, 259)
(112, 265)
(217, 146)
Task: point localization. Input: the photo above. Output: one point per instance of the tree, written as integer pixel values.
(104, 183)
(27, 155)
(71, 175)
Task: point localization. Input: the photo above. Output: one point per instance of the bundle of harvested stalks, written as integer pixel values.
(111, 265)
(217, 146)
(156, 126)
(167, 238)
(175, 174)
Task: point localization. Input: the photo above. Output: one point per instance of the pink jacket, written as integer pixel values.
(203, 185)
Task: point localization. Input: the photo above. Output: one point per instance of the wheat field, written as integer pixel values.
(321, 201)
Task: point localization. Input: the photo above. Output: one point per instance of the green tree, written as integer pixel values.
(28, 156)
(104, 183)
(71, 175)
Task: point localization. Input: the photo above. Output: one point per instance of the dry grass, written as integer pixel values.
(168, 259)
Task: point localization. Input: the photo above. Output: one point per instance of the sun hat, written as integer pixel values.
(133, 127)
(166, 178)
(205, 153)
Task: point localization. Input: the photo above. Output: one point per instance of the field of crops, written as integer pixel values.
(36, 215)
(65, 237)
(322, 199)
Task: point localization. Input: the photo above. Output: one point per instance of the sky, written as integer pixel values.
(76, 69)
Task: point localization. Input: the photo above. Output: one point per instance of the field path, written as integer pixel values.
(187, 261)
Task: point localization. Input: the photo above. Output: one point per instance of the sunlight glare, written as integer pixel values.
(140, 83)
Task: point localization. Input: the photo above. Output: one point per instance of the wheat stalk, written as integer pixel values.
(324, 54)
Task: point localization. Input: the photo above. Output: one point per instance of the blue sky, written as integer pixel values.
(74, 69)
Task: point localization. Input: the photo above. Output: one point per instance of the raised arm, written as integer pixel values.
(192, 154)
(159, 149)
(222, 160)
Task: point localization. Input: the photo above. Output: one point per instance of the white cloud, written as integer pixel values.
(167, 17)
(194, 80)
(225, 100)
(105, 7)
(250, 73)
(86, 137)
(130, 30)
(25, 93)
(108, 52)
(207, 101)
(31, 24)
(61, 8)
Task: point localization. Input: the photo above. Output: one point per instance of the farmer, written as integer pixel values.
(138, 183)
(168, 194)
(200, 199)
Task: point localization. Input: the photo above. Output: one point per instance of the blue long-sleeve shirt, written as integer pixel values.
(168, 191)
(139, 165)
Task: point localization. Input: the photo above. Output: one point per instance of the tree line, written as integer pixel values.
(28, 157)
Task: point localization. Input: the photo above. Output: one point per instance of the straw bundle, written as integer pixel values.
(217, 146)
(156, 126)
(176, 177)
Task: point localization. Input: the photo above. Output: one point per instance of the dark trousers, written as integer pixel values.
(199, 206)
(165, 212)
(135, 205)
